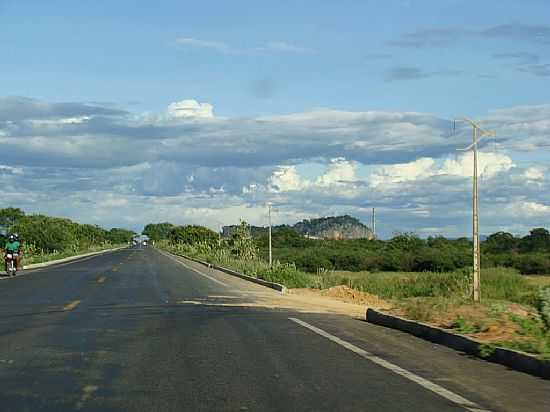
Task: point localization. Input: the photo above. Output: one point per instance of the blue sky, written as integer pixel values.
(307, 91)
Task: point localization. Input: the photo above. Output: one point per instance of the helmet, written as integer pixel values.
(11, 238)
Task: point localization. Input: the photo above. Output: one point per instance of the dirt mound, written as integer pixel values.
(345, 294)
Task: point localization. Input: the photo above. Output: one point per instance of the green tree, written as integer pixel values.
(500, 242)
(192, 234)
(119, 235)
(538, 240)
(46, 233)
(158, 231)
(242, 244)
(9, 217)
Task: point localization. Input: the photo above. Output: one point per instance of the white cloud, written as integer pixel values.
(535, 208)
(286, 179)
(285, 47)
(203, 44)
(340, 171)
(489, 165)
(534, 173)
(189, 166)
(188, 109)
(398, 173)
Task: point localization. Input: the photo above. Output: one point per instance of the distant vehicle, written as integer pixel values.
(144, 243)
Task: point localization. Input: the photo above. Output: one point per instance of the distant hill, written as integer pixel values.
(334, 227)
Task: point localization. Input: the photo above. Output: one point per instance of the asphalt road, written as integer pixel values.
(135, 330)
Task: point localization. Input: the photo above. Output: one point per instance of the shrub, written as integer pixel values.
(192, 234)
(543, 305)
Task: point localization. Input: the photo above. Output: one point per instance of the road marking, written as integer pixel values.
(101, 279)
(72, 305)
(196, 271)
(451, 396)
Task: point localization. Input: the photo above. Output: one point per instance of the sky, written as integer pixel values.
(122, 113)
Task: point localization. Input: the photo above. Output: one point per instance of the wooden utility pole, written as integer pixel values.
(477, 133)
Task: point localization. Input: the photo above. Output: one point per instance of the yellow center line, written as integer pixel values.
(72, 305)
(101, 279)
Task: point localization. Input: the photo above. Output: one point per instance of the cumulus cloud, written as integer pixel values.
(534, 173)
(189, 109)
(489, 165)
(101, 165)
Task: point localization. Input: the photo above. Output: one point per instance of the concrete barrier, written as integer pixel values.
(276, 286)
(513, 359)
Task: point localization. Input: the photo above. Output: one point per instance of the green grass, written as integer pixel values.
(38, 257)
(285, 274)
(421, 296)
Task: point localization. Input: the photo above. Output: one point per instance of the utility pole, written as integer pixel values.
(373, 223)
(270, 252)
(477, 134)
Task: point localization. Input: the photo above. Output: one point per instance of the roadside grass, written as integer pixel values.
(514, 313)
(285, 274)
(538, 280)
(34, 256)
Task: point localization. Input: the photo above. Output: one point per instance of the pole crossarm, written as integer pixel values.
(480, 132)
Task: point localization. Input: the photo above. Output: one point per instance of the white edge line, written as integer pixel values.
(194, 270)
(451, 396)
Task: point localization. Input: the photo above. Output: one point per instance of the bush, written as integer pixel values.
(532, 264)
(192, 234)
(543, 305)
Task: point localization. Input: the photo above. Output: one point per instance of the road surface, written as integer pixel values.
(137, 330)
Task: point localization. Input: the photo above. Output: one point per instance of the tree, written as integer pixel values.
(538, 240)
(9, 217)
(192, 234)
(118, 235)
(242, 244)
(47, 233)
(500, 242)
(158, 231)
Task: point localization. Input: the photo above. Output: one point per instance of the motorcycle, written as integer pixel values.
(11, 264)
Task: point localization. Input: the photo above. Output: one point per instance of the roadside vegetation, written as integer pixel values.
(48, 238)
(426, 280)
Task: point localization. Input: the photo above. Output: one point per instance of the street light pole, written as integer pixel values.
(477, 133)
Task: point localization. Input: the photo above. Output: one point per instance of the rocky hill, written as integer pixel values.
(334, 227)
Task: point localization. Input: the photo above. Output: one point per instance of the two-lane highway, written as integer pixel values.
(137, 330)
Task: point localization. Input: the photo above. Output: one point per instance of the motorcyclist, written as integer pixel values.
(13, 246)
(19, 255)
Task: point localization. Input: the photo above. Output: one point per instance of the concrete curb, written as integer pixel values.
(517, 360)
(69, 259)
(276, 286)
